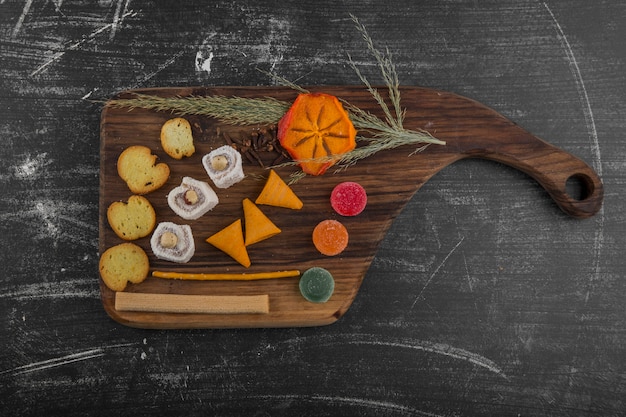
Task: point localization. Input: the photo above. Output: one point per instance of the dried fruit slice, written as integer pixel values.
(277, 193)
(258, 226)
(316, 126)
(230, 241)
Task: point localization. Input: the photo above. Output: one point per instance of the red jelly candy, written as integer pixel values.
(348, 198)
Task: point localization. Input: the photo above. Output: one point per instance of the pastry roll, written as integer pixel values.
(224, 166)
(173, 242)
(192, 199)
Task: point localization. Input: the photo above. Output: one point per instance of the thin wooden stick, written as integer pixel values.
(183, 303)
(226, 276)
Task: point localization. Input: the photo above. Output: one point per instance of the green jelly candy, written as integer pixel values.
(317, 285)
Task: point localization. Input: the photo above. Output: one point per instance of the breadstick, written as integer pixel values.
(226, 276)
(182, 303)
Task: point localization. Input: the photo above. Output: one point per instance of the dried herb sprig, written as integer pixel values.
(389, 133)
(389, 74)
(284, 81)
(230, 110)
(384, 134)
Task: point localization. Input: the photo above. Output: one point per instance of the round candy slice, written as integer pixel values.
(330, 237)
(317, 285)
(348, 198)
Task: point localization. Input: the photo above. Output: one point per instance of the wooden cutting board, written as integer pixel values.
(390, 178)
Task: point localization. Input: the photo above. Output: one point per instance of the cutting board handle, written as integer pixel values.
(474, 130)
(574, 185)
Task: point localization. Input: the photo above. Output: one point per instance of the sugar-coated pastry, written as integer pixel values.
(192, 199)
(224, 166)
(173, 242)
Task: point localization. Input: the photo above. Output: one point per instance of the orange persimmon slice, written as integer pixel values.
(277, 193)
(330, 237)
(316, 126)
(230, 241)
(258, 226)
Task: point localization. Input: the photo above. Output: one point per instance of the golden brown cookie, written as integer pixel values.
(137, 166)
(122, 264)
(133, 219)
(177, 138)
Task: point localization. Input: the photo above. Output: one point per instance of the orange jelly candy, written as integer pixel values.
(330, 237)
(316, 126)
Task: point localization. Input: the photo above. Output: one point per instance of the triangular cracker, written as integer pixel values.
(230, 241)
(258, 226)
(277, 193)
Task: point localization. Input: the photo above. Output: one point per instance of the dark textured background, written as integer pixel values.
(484, 298)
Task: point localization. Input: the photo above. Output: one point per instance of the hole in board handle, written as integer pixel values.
(579, 187)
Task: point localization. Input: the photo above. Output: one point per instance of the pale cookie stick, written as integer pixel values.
(182, 303)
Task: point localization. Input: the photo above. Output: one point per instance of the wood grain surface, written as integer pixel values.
(483, 298)
(390, 178)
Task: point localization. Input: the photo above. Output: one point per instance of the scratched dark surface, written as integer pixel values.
(484, 298)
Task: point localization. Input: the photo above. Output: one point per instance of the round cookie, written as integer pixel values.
(133, 219)
(137, 166)
(122, 264)
(176, 138)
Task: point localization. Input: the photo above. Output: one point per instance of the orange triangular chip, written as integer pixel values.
(277, 193)
(258, 226)
(230, 241)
